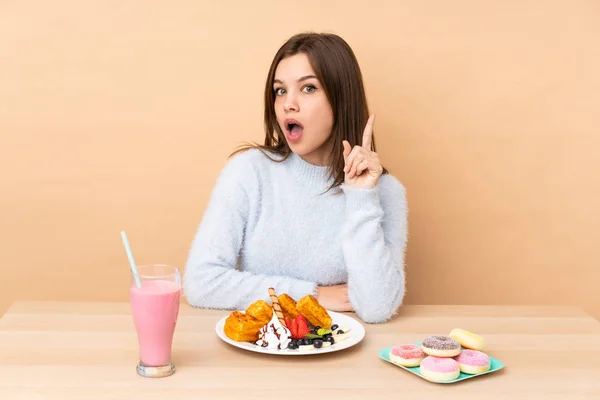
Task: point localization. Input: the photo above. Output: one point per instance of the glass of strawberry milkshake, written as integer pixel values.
(154, 299)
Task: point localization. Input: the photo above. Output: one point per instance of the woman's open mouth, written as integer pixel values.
(293, 130)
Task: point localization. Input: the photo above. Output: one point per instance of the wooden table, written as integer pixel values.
(89, 350)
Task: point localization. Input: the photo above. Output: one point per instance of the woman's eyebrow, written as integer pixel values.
(299, 80)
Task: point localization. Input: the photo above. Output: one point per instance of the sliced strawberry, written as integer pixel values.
(293, 327)
(302, 318)
(288, 322)
(302, 326)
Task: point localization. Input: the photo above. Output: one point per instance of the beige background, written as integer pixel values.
(120, 116)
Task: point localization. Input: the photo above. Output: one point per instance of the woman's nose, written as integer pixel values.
(291, 105)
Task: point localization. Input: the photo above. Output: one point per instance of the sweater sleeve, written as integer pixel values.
(374, 241)
(211, 278)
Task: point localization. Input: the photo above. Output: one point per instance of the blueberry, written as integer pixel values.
(330, 339)
(318, 343)
(325, 336)
(334, 327)
(339, 332)
(317, 328)
(292, 345)
(306, 341)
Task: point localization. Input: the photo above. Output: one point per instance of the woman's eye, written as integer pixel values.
(279, 91)
(309, 88)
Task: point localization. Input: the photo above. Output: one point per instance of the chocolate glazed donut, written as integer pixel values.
(440, 346)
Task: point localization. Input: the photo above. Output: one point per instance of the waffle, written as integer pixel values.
(313, 311)
(288, 306)
(244, 327)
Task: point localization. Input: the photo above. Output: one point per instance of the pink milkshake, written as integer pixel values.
(155, 307)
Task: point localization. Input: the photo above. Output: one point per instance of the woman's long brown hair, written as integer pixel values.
(337, 69)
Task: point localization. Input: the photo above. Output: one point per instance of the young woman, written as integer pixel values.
(312, 211)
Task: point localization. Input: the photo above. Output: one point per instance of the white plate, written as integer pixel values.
(356, 334)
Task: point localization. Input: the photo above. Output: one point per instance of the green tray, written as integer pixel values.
(495, 365)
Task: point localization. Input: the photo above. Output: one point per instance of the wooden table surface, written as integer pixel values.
(51, 350)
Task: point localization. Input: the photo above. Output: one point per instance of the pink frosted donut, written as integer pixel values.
(439, 369)
(407, 355)
(473, 361)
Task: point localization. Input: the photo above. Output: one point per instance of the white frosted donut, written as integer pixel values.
(468, 339)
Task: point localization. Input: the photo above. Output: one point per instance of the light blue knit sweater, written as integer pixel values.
(268, 225)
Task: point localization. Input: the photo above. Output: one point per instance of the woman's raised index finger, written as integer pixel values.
(368, 133)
